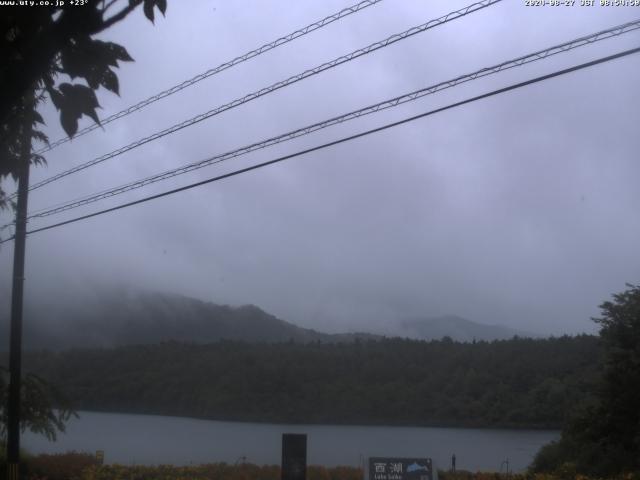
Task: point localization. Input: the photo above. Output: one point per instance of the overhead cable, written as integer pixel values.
(393, 102)
(276, 86)
(220, 68)
(344, 139)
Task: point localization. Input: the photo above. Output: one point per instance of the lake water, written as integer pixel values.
(149, 439)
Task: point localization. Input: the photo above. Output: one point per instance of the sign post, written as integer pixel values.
(294, 456)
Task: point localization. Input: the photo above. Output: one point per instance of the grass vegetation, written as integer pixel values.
(82, 466)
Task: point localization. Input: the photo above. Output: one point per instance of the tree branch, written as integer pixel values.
(120, 15)
(108, 5)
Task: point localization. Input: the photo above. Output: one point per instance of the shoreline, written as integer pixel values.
(298, 424)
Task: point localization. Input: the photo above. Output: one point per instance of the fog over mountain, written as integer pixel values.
(457, 328)
(116, 316)
(126, 316)
(518, 210)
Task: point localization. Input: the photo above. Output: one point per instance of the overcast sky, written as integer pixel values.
(521, 209)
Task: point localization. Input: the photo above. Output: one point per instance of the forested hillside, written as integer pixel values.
(512, 383)
(111, 317)
(115, 317)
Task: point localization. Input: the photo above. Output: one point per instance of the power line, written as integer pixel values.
(408, 97)
(12, 237)
(346, 139)
(276, 86)
(223, 66)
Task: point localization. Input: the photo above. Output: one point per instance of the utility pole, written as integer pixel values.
(15, 345)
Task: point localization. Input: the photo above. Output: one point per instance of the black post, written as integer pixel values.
(15, 346)
(294, 456)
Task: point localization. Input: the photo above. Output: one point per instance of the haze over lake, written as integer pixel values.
(149, 439)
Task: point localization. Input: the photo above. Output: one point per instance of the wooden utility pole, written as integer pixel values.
(15, 346)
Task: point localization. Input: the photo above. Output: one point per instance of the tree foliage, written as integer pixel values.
(38, 47)
(603, 438)
(38, 413)
(514, 383)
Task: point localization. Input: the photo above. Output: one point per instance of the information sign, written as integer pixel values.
(383, 468)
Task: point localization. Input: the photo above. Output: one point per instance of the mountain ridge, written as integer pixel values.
(458, 328)
(128, 316)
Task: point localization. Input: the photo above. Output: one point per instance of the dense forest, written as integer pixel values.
(509, 383)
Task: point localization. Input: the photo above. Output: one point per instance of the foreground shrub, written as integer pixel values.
(466, 475)
(78, 466)
(64, 466)
(214, 471)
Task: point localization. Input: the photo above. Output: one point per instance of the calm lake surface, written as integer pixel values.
(148, 439)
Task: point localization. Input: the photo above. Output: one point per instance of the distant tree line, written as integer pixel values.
(513, 383)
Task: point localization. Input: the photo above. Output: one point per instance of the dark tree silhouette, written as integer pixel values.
(604, 438)
(37, 45)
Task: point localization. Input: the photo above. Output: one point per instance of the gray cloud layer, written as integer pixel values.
(521, 209)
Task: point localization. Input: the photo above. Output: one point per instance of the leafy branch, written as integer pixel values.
(40, 45)
(44, 410)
